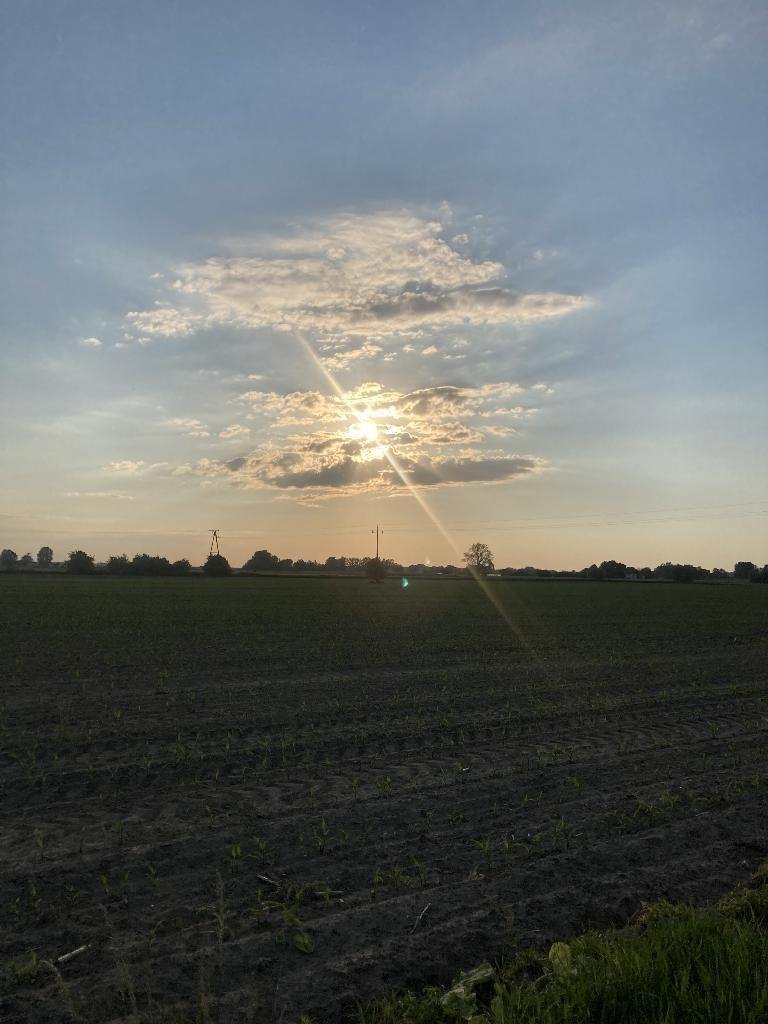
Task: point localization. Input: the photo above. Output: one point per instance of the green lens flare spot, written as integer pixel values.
(404, 582)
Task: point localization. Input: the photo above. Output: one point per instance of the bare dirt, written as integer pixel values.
(256, 799)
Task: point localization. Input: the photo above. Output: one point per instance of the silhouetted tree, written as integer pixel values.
(285, 564)
(262, 561)
(79, 562)
(720, 574)
(8, 559)
(613, 570)
(743, 570)
(26, 560)
(181, 567)
(664, 571)
(334, 564)
(44, 557)
(118, 565)
(150, 565)
(374, 569)
(217, 565)
(760, 575)
(479, 557)
(684, 573)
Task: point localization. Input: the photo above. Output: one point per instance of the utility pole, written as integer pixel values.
(378, 532)
(214, 543)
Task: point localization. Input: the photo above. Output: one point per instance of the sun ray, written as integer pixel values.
(364, 424)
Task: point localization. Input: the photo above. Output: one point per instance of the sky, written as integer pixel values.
(469, 270)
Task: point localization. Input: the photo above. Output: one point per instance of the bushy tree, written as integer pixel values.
(684, 573)
(217, 565)
(79, 562)
(150, 565)
(613, 570)
(262, 561)
(375, 569)
(760, 575)
(118, 565)
(744, 570)
(26, 560)
(8, 559)
(44, 556)
(181, 567)
(478, 558)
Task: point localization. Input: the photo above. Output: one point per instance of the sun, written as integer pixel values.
(364, 430)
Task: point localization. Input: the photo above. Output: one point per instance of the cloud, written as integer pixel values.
(90, 343)
(367, 276)
(99, 494)
(343, 358)
(373, 399)
(450, 433)
(472, 470)
(350, 475)
(448, 400)
(295, 407)
(130, 467)
(164, 322)
(234, 430)
(188, 427)
(352, 442)
(124, 466)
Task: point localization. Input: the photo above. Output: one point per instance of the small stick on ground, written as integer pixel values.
(269, 881)
(418, 920)
(66, 957)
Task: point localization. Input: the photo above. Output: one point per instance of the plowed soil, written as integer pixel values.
(256, 798)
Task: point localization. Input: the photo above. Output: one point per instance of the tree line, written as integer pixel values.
(478, 559)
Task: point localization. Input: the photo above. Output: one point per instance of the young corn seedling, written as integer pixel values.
(235, 857)
(486, 848)
(385, 787)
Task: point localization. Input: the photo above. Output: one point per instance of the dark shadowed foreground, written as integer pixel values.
(252, 799)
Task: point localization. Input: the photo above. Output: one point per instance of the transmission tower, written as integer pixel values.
(214, 550)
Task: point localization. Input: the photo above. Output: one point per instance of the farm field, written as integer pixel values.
(257, 798)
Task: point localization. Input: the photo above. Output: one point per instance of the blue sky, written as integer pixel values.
(272, 268)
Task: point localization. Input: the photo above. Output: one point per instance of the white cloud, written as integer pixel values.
(353, 276)
(343, 358)
(124, 466)
(164, 322)
(130, 467)
(99, 494)
(188, 427)
(90, 343)
(234, 430)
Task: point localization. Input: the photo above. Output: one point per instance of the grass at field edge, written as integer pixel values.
(673, 963)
